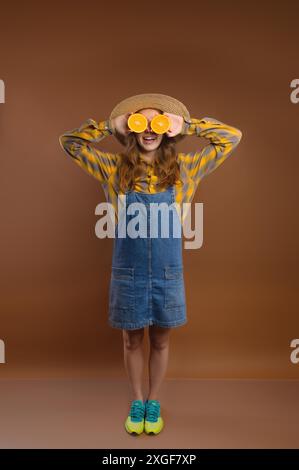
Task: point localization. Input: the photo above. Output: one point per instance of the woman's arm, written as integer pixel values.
(223, 140)
(76, 144)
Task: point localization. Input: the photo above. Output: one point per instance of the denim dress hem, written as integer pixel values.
(132, 326)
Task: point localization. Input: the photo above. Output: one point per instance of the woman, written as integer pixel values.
(147, 282)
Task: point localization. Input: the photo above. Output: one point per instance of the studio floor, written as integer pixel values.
(90, 413)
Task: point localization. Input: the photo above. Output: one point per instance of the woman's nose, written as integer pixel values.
(148, 127)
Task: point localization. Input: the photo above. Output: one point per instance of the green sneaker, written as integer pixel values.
(153, 422)
(135, 420)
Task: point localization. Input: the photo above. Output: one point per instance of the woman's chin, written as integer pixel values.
(149, 148)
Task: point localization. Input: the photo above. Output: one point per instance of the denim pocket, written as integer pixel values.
(121, 295)
(174, 286)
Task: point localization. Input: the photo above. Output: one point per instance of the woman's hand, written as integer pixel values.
(120, 124)
(176, 124)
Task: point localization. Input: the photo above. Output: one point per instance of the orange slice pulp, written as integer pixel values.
(160, 124)
(137, 122)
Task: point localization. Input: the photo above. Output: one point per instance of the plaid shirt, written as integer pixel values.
(194, 166)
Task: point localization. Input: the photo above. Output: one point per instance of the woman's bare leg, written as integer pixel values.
(158, 360)
(134, 361)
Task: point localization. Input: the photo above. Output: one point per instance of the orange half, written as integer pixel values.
(137, 122)
(160, 124)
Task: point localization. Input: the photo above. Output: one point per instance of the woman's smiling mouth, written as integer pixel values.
(149, 139)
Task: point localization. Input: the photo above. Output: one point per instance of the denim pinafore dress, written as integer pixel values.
(147, 278)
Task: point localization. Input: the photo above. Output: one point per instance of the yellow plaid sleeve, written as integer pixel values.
(223, 140)
(76, 143)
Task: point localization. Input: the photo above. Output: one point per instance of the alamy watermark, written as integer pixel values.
(2, 345)
(294, 96)
(295, 353)
(2, 351)
(2, 92)
(146, 223)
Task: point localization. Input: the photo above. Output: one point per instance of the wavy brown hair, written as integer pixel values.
(166, 166)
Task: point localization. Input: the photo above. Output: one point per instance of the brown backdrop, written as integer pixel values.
(63, 63)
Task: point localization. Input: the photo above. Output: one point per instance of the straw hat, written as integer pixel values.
(158, 101)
